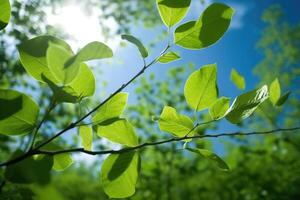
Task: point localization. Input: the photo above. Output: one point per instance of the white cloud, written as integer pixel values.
(238, 18)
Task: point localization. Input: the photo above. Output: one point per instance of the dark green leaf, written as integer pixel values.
(136, 42)
(283, 99)
(18, 113)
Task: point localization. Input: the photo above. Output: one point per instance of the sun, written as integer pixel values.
(80, 26)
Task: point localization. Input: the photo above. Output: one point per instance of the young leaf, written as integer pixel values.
(245, 104)
(81, 87)
(169, 57)
(56, 57)
(119, 131)
(29, 170)
(4, 13)
(86, 135)
(283, 99)
(200, 89)
(219, 108)
(172, 11)
(275, 91)
(91, 51)
(18, 113)
(171, 122)
(212, 157)
(112, 108)
(119, 174)
(207, 30)
(137, 43)
(33, 56)
(237, 79)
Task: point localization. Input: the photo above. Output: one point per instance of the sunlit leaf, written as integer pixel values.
(172, 11)
(91, 51)
(81, 87)
(212, 157)
(237, 79)
(275, 91)
(169, 57)
(245, 104)
(4, 13)
(283, 99)
(18, 113)
(138, 43)
(86, 135)
(174, 123)
(56, 58)
(219, 108)
(119, 131)
(119, 174)
(33, 56)
(29, 170)
(112, 108)
(200, 89)
(207, 30)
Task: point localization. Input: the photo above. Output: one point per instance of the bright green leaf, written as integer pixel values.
(136, 42)
(4, 13)
(212, 157)
(245, 104)
(200, 89)
(33, 56)
(169, 57)
(119, 174)
(29, 170)
(219, 108)
(112, 108)
(172, 11)
(56, 58)
(119, 131)
(275, 91)
(86, 135)
(18, 113)
(174, 123)
(91, 51)
(237, 79)
(207, 30)
(82, 86)
(283, 99)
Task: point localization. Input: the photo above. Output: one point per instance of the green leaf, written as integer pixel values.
(112, 108)
(212, 157)
(219, 108)
(283, 99)
(81, 87)
(200, 89)
(207, 30)
(86, 135)
(169, 57)
(4, 13)
(171, 122)
(172, 11)
(18, 113)
(119, 174)
(245, 104)
(137, 43)
(56, 58)
(60, 161)
(237, 79)
(119, 131)
(275, 91)
(33, 56)
(91, 51)
(29, 170)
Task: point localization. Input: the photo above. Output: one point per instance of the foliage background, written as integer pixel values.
(261, 167)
